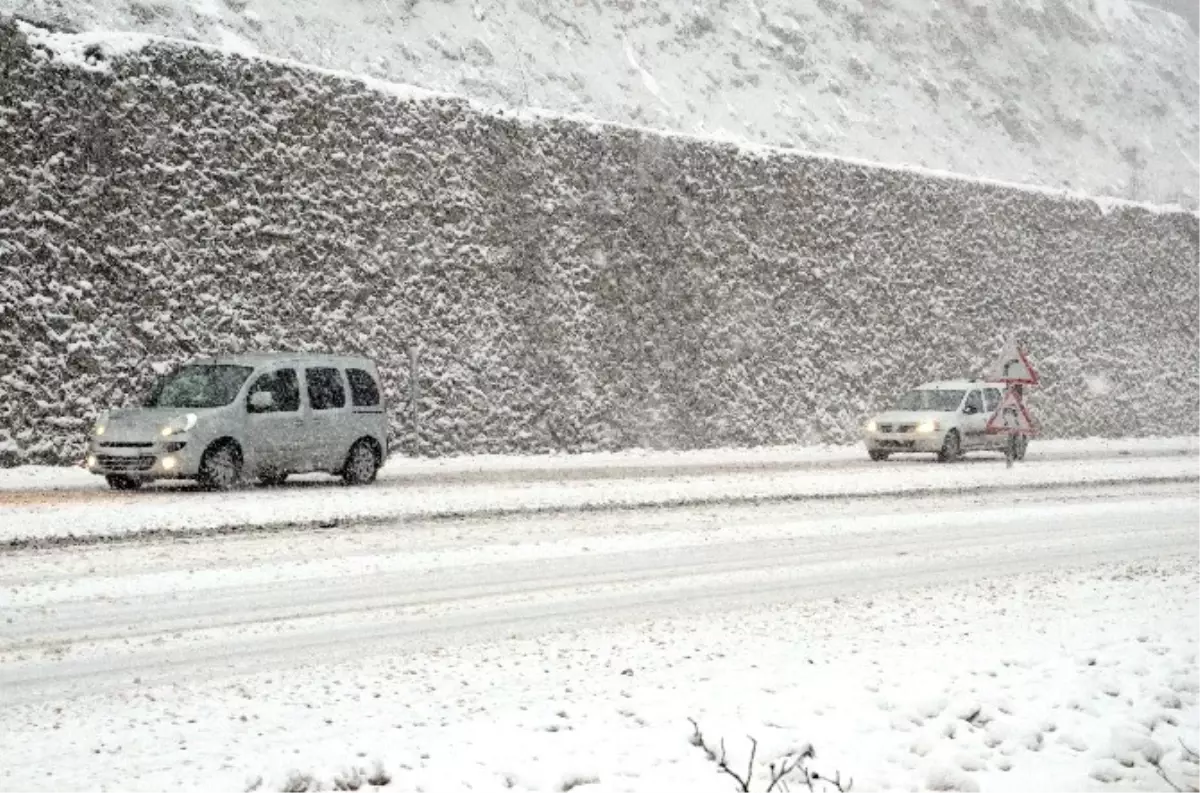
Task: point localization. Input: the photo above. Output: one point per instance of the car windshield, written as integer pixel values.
(930, 399)
(198, 386)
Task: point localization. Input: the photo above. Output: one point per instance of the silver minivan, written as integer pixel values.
(223, 420)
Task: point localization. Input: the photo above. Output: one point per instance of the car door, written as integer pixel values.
(974, 420)
(275, 432)
(328, 422)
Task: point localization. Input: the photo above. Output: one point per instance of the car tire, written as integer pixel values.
(877, 455)
(951, 448)
(273, 479)
(221, 467)
(362, 464)
(118, 482)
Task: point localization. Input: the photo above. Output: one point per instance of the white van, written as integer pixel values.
(221, 420)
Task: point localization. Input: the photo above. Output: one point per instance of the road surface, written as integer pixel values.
(84, 620)
(539, 631)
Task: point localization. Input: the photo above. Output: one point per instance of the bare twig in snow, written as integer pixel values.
(792, 765)
(379, 777)
(698, 741)
(1156, 763)
(1158, 769)
(786, 766)
(299, 783)
(743, 783)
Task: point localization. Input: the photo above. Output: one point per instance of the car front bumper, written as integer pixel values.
(900, 442)
(141, 459)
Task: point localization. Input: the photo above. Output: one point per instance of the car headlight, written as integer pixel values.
(98, 430)
(928, 426)
(872, 425)
(179, 425)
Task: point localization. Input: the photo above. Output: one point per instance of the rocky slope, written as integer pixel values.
(1095, 95)
(571, 286)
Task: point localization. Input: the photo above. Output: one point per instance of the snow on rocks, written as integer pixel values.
(571, 287)
(903, 82)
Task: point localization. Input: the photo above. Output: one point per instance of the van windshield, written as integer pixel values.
(931, 400)
(198, 386)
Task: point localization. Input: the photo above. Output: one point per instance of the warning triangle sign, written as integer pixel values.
(1011, 418)
(1013, 367)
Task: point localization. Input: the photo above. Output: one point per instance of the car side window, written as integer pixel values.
(283, 385)
(991, 396)
(974, 403)
(364, 393)
(326, 389)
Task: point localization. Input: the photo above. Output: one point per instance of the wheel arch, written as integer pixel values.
(224, 440)
(373, 443)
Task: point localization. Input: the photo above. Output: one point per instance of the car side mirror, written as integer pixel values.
(262, 400)
(969, 410)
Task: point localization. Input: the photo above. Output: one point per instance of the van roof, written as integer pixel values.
(257, 359)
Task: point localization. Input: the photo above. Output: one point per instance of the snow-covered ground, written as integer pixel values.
(999, 640)
(1098, 97)
(43, 502)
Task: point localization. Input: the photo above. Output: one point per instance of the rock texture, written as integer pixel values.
(570, 286)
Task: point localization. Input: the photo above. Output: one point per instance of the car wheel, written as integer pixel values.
(273, 479)
(361, 465)
(951, 448)
(123, 482)
(877, 455)
(221, 468)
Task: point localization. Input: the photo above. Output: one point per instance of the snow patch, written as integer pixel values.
(948, 778)
(1097, 385)
(233, 43)
(86, 51)
(206, 8)
(647, 79)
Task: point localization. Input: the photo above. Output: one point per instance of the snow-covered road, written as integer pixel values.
(542, 650)
(40, 503)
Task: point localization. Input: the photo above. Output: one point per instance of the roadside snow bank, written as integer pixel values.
(629, 462)
(105, 515)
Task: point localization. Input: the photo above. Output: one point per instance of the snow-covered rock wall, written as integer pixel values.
(571, 286)
(1099, 96)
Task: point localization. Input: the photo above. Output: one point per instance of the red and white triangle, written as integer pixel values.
(1011, 418)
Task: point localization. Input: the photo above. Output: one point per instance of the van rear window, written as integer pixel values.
(325, 389)
(363, 390)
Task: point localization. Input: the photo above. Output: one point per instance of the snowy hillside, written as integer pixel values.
(571, 286)
(1096, 96)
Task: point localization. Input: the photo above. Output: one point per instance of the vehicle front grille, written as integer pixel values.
(112, 462)
(897, 427)
(126, 444)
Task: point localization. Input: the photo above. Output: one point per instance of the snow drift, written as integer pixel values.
(1095, 96)
(571, 286)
